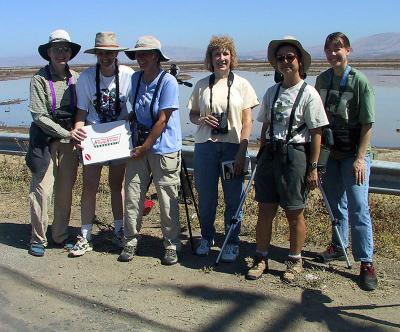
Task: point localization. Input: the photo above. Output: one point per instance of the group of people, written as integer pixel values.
(293, 115)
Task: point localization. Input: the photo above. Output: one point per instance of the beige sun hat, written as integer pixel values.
(59, 36)
(274, 44)
(105, 40)
(146, 43)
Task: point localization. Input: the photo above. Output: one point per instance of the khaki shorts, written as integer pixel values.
(276, 182)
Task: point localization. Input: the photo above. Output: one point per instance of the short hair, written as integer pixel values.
(338, 39)
(221, 43)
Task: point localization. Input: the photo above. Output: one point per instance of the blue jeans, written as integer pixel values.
(207, 171)
(349, 202)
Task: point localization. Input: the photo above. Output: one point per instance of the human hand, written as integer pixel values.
(240, 160)
(312, 178)
(359, 171)
(139, 152)
(209, 120)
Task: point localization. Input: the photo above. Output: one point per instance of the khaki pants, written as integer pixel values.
(166, 170)
(62, 174)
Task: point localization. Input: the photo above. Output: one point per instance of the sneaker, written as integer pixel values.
(230, 254)
(118, 238)
(80, 247)
(127, 253)
(330, 254)
(368, 279)
(170, 257)
(294, 267)
(259, 266)
(204, 248)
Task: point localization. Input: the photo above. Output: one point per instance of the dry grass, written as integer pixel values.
(385, 210)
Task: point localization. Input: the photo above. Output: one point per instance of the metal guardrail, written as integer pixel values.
(384, 179)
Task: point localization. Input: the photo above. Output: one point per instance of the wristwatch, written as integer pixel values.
(314, 165)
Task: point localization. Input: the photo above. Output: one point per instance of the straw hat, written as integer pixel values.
(58, 36)
(274, 45)
(146, 43)
(105, 40)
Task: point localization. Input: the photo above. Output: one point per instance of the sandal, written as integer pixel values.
(36, 249)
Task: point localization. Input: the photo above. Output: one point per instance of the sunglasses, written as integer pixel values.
(63, 49)
(288, 57)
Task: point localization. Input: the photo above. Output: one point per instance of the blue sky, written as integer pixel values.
(27, 24)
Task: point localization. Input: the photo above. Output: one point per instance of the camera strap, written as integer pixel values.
(342, 86)
(289, 134)
(53, 93)
(211, 83)
(153, 100)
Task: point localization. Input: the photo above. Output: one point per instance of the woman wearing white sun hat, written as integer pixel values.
(102, 92)
(52, 157)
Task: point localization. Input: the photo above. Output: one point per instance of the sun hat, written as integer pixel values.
(146, 43)
(105, 40)
(274, 45)
(58, 36)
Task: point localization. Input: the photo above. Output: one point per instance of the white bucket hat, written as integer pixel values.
(274, 44)
(146, 43)
(58, 36)
(105, 40)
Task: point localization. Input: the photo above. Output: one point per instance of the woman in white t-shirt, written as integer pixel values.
(221, 106)
(102, 93)
(292, 115)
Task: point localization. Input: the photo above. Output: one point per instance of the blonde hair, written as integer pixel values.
(220, 43)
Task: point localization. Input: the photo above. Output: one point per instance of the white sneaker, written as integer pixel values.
(204, 248)
(230, 254)
(80, 247)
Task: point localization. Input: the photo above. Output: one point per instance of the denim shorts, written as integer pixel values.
(283, 183)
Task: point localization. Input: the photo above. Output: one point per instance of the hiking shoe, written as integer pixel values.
(204, 248)
(259, 266)
(118, 238)
(294, 267)
(368, 279)
(330, 254)
(128, 253)
(80, 247)
(230, 254)
(170, 257)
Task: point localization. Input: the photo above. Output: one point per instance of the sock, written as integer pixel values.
(117, 225)
(298, 256)
(87, 231)
(262, 253)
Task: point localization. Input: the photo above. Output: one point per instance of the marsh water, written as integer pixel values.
(386, 84)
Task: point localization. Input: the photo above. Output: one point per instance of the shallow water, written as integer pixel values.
(386, 85)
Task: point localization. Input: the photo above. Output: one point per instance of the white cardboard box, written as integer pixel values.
(106, 141)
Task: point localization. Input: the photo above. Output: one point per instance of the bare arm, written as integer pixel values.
(247, 123)
(315, 147)
(359, 168)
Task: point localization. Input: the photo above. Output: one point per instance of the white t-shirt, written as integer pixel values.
(86, 94)
(242, 97)
(309, 111)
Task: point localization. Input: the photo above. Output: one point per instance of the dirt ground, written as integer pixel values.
(96, 292)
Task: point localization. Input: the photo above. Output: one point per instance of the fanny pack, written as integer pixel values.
(346, 139)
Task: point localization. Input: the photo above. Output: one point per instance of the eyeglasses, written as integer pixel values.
(63, 49)
(288, 57)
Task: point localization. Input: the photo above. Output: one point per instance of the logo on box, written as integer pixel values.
(106, 141)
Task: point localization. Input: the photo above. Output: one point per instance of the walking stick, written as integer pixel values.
(235, 218)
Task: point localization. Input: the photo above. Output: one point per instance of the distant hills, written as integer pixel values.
(382, 45)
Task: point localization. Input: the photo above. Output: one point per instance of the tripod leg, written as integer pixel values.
(187, 211)
(335, 228)
(190, 188)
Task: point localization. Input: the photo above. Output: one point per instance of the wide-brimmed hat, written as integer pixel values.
(59, 36)
(146, 43)
(105, 40)
(274, 44)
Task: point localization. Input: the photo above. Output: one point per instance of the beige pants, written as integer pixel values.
(62, 174)
(166, 170)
